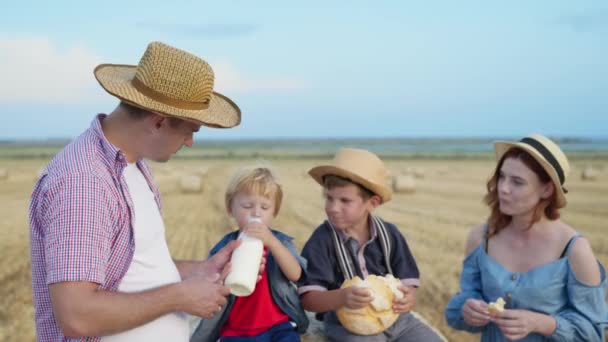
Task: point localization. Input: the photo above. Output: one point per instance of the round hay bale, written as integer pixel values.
(201, 171)
(589, 174)
(419, 173)
(404, 184)
(3, 174)
(190, 184)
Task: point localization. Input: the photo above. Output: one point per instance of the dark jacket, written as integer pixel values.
(284, 293)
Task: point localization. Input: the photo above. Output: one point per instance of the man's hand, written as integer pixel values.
(216, 268)
(202, 298)
(262, 265)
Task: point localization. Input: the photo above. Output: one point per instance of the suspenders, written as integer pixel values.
(344, 260)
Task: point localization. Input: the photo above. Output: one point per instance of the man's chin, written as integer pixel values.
(160, 160)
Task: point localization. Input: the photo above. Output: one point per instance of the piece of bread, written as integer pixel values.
(378, 315)
(497, 306)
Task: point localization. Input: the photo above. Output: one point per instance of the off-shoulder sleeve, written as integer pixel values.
(470, 287)
(585, 317)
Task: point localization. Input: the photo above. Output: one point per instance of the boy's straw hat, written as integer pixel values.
(548, 155)
(172, 82)
(361, 167)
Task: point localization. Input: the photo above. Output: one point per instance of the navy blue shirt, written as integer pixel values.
(324, 273)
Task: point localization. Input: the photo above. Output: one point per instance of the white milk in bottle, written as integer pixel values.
(245, 264)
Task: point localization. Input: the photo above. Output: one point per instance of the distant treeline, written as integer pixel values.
(388, 148)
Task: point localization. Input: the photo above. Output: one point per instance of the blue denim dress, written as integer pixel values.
(579, 310)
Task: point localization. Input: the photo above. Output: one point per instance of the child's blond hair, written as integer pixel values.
(258, 180)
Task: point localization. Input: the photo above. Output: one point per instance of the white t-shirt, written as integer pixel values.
(152, 265)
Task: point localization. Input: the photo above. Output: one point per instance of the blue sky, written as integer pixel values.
(323, 69)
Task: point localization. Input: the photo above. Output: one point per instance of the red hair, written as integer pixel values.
(547, 206)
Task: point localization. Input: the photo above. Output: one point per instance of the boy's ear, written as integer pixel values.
(375, 201)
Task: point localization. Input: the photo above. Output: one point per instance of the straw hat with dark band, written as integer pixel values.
(359, 166)
(172, 82)
(548, 155)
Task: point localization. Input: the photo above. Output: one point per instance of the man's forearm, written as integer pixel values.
(82, 310)
(186, 267)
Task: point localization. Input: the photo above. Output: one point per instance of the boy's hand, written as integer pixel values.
(407, 303)
(260, 231)
(357, 297)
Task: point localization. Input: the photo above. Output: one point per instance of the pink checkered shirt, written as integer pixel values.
(80, 222)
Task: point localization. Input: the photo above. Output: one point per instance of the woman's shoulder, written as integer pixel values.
(580, 255)
(583, 262)
(475, 237)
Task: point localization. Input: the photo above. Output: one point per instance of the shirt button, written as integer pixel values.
(513, 277)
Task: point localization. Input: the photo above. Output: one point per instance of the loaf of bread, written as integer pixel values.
(378, 315)
(497, 306)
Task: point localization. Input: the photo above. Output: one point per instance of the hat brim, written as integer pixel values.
(501, 147)
(318, 172)
(116, 80)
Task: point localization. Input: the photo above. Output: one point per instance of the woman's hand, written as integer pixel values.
(517, 324)
(475, 312)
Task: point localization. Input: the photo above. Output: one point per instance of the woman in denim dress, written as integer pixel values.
(545, 271)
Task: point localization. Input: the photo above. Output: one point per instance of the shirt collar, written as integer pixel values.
(373, 232)
(109, 150)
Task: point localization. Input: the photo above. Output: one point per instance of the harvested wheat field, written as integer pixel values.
(441, 202)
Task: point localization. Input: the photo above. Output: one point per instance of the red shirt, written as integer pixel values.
(254, 314)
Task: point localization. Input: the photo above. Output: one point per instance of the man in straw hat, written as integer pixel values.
(101, 268)
(524, 255)
(353, 242)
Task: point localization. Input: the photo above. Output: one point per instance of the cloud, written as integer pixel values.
(36, 71)
(583, 22)
(213, 31)
(228, 78)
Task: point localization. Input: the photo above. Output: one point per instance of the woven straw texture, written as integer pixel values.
(501, 147)
(360, 166)
(172, 82)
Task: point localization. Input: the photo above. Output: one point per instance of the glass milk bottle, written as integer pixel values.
(245, 261)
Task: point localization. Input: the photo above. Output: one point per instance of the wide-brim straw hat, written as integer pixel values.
(548, 155)
(359, 166)
(170, 82)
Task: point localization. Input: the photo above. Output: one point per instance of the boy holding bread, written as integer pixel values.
(354, 243)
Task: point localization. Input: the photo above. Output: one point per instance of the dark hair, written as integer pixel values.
(497, 220)
(136, 113)
(332, 181)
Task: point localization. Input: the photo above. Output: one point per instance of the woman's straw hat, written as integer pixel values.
(172, 82)
(548, 155)
(359, 166)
